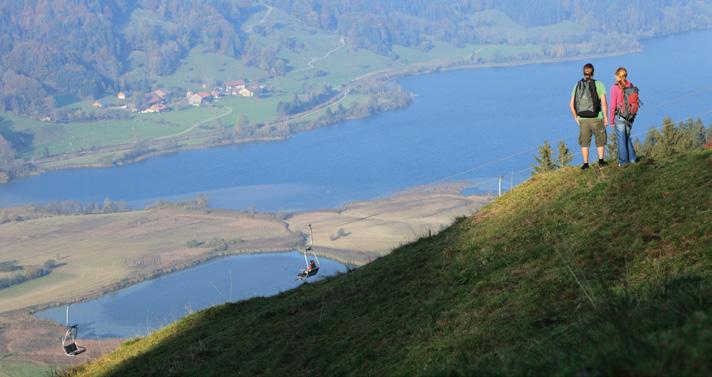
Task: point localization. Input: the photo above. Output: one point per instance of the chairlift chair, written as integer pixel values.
(69, 339)
(307, 271)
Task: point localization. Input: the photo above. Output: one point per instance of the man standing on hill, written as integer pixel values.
(590, 111)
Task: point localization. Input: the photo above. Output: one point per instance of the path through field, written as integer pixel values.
(310, 65)
(249, 28)
(191, 128)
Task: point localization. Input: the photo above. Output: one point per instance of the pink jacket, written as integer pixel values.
(616, 101)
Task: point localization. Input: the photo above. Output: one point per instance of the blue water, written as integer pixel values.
(150, 305)
(469, 124)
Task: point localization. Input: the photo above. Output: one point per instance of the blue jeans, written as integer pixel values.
(626, 153)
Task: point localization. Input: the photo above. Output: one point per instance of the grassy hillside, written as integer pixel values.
(573, 273)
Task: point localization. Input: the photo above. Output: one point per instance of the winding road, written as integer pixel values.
(310, 65)
(191, 128)
(248, 29)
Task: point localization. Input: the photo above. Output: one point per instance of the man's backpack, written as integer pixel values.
(631, 103)
(587, 103)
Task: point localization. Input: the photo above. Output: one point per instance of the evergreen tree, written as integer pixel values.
(242, 126)
(565, 156)
(652, 139)
(108, 206)
(691, 135)
(7, 156)
(669, 140)
(544, 160)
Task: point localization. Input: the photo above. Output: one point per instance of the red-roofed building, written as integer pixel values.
(156, 108)
(160, 93)
(234, 84)
(233, 87)
(197, 99)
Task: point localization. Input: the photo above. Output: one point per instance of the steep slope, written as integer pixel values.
(598, 272)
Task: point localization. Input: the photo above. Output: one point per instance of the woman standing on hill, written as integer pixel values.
(618, 115)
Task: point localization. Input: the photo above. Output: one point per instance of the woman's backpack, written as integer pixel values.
(631, 103)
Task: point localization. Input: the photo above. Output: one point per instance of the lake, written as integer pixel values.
(144, 307)
(468, 124)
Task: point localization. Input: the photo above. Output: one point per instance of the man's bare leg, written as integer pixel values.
(584, 154)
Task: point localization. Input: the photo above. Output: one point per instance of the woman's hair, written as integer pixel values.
(621, 71)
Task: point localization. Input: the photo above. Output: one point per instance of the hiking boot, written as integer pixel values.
(584, 166)
(602, 163)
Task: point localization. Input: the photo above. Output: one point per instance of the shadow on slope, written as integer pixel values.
(598, 272)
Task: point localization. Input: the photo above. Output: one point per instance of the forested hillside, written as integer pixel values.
(615, 24)
(53, 53)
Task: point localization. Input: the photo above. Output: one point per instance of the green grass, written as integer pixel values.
(33, 284)
(439, 51)
(257, 110)
(206, 67)
(603, 272)
(64, 138)
(346, 102)
(23, 369)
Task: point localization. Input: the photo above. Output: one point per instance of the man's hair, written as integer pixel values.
(588, 67)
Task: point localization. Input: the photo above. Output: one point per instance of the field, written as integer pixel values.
(97, 252)
(100, 252)
(383, 225)
(23, 369)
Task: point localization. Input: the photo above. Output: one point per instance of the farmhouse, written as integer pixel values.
(101, 103)
(246, 92)
(200, 98)
(233, 87)
(160, 93)
(152, 99)
(155, 108)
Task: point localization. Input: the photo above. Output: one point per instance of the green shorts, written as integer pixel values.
(592, 126)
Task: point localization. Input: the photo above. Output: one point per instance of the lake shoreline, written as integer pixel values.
(433, 206)
(415, 69)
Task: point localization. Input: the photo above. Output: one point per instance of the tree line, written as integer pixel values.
(379, 25)
(17, 274)
(55, 51)
(669, 140)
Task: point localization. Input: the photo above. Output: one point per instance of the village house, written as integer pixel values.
(100, 103)
(200, 98)
(233, 87)
(155, 108)
(160, 93)
(152, 99)
(263, 91)
(121, 95)
(246, 92)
